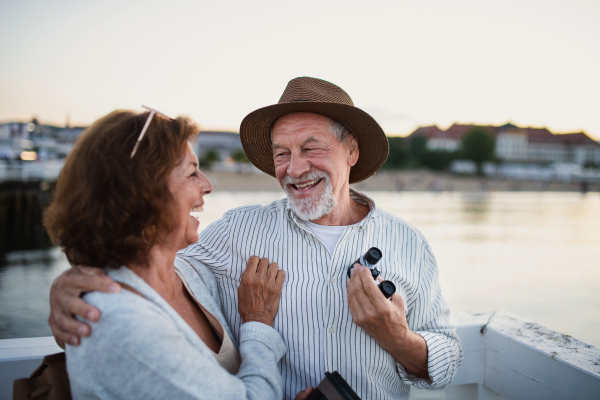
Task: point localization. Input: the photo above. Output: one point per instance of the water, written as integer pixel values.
(533, 254)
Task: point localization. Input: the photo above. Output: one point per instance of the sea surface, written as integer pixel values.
(536, 255)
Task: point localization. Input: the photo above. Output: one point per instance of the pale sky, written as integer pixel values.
(407, 63)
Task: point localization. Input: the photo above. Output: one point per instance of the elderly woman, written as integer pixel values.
(164, 336)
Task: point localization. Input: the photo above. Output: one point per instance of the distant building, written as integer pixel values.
(223, 142)
(46, 140)
(518, 144)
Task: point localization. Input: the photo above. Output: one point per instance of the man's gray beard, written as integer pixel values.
(315, 207)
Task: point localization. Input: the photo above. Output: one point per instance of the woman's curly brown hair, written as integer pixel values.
(108, 209)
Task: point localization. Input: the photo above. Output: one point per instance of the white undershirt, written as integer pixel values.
(328, 235)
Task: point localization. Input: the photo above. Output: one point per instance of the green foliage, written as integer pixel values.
(239, 156)
(208, 158)
(414, 154)
(399, 156)
(437, 160)
(417, 147)
(478, 145)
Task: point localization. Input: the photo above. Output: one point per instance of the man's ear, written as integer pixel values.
(353, 152)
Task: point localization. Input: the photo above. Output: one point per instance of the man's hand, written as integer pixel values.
(385, 321)
(65, 300)
(260, 290)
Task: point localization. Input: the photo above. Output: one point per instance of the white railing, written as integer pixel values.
(31, 171)
(504, 358)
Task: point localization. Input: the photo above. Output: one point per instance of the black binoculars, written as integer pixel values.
(369, 259)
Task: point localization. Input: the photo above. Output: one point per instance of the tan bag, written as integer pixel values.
(49, 382)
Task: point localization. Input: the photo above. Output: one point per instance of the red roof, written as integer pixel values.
(456, 131)
(578, 138)
(426, 131)
(534, 135)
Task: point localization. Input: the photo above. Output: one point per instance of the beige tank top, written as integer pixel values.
(228, 357)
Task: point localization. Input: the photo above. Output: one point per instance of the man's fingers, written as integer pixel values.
(279, 279)
(251, 265)
(356, 309)
(272, 272)
(76, 306)
(91, 283)
(69, 330)
(398, 300)
(263, 267)
(372, 292)
(92, 271)
(354, 283)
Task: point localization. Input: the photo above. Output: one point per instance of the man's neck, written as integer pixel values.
(347, 212)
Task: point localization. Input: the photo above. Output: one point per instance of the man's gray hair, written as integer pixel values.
(339, 130)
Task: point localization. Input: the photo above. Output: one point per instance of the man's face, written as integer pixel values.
(310, 164)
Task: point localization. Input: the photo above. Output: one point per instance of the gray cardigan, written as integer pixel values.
(142, 349)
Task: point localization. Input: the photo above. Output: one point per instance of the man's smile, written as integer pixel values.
(306, 189)
(306, 185)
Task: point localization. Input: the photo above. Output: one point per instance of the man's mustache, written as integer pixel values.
(307, 176)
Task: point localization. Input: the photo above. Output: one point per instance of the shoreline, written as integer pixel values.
(402, 181)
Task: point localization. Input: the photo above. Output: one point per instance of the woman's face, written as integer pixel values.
(187, 186)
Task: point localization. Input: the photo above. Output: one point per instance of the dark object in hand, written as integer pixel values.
(333, 387)
(369, 259)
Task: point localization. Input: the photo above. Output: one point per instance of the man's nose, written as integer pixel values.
(298, 166)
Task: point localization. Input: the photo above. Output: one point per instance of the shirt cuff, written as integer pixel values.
(441, 363)
(264, 334)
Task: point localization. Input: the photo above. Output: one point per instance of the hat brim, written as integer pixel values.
(372, 142)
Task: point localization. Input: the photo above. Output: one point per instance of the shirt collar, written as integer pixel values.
(354, 195)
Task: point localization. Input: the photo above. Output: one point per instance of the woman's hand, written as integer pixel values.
(259, 291)
(303, 394)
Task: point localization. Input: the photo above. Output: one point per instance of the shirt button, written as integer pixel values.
(331, 330)
(331, 281)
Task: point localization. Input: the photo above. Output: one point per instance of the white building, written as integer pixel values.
(516, 144)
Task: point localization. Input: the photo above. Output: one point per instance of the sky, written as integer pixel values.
(407, 63)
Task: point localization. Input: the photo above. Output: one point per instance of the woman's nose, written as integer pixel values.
(205, 186)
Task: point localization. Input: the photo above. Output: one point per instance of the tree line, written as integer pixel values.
(477, 145)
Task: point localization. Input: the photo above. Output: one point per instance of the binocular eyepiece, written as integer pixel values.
(369, 259)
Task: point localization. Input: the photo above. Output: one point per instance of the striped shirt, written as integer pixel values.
(314, 318)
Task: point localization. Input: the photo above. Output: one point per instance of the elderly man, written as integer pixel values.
(316, 143)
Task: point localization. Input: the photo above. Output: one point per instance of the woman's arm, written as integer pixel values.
(138, 352)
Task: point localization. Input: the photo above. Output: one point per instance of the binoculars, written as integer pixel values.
(369, 259)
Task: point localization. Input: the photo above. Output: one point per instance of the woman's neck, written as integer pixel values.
(159, 270)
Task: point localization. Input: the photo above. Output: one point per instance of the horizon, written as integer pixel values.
(530, 63)
(405, 135)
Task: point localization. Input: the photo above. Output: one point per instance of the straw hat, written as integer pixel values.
(307, 94)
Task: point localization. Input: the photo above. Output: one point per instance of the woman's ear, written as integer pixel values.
(353, 152)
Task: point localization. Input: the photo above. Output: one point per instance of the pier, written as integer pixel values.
(25, 190)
